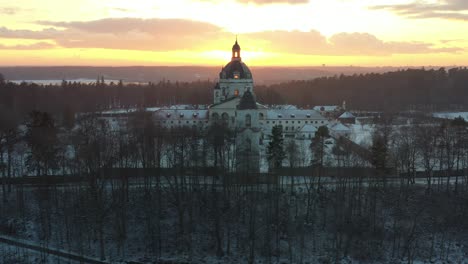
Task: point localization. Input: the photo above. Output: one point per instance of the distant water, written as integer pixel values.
(58, 82)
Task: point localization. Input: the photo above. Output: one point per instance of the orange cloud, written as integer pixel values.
(448, 9)
(180, 34)
(34, 46)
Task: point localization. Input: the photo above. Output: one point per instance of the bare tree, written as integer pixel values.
(426, 139)
(9, 136)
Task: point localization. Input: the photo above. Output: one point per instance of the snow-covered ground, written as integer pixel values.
(451, 115)
(362, 134)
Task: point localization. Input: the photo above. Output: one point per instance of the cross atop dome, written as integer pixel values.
(236, 51)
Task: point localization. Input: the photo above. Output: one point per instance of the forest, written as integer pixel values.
(189, 217)
(413, 208)
(411, 89)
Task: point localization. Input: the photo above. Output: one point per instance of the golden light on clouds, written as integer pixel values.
(273, 32)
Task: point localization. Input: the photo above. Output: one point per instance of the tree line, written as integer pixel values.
(392, 91)
(412, 89)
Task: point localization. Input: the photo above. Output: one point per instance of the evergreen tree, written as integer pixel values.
(318, 145)
(458, 122)
(275, 150)
(42, 141)
(379, 152)
(318, 150)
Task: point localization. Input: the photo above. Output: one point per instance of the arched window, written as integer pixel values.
(225, 118)
(215, 117)
(248, 120)
(236, 92)
(260, 116)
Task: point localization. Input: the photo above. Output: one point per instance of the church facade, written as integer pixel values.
(235, 106)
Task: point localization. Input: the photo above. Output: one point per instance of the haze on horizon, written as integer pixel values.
(201, 32)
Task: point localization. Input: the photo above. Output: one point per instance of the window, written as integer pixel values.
(248, 120)
(268, 122)
(236, 92)
(225, 118)
(274, 122)
(286, 122)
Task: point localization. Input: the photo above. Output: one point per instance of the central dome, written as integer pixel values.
(235, 69)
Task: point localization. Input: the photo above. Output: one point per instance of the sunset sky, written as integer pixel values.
(201, 32)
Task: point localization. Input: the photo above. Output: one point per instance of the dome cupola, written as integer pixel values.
(235, 69)
(236, 51)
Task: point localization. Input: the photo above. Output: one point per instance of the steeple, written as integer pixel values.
(236, 51)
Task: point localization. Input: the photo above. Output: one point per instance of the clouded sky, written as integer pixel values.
(201, 32)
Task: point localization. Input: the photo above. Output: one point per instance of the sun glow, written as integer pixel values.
(403, 41)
